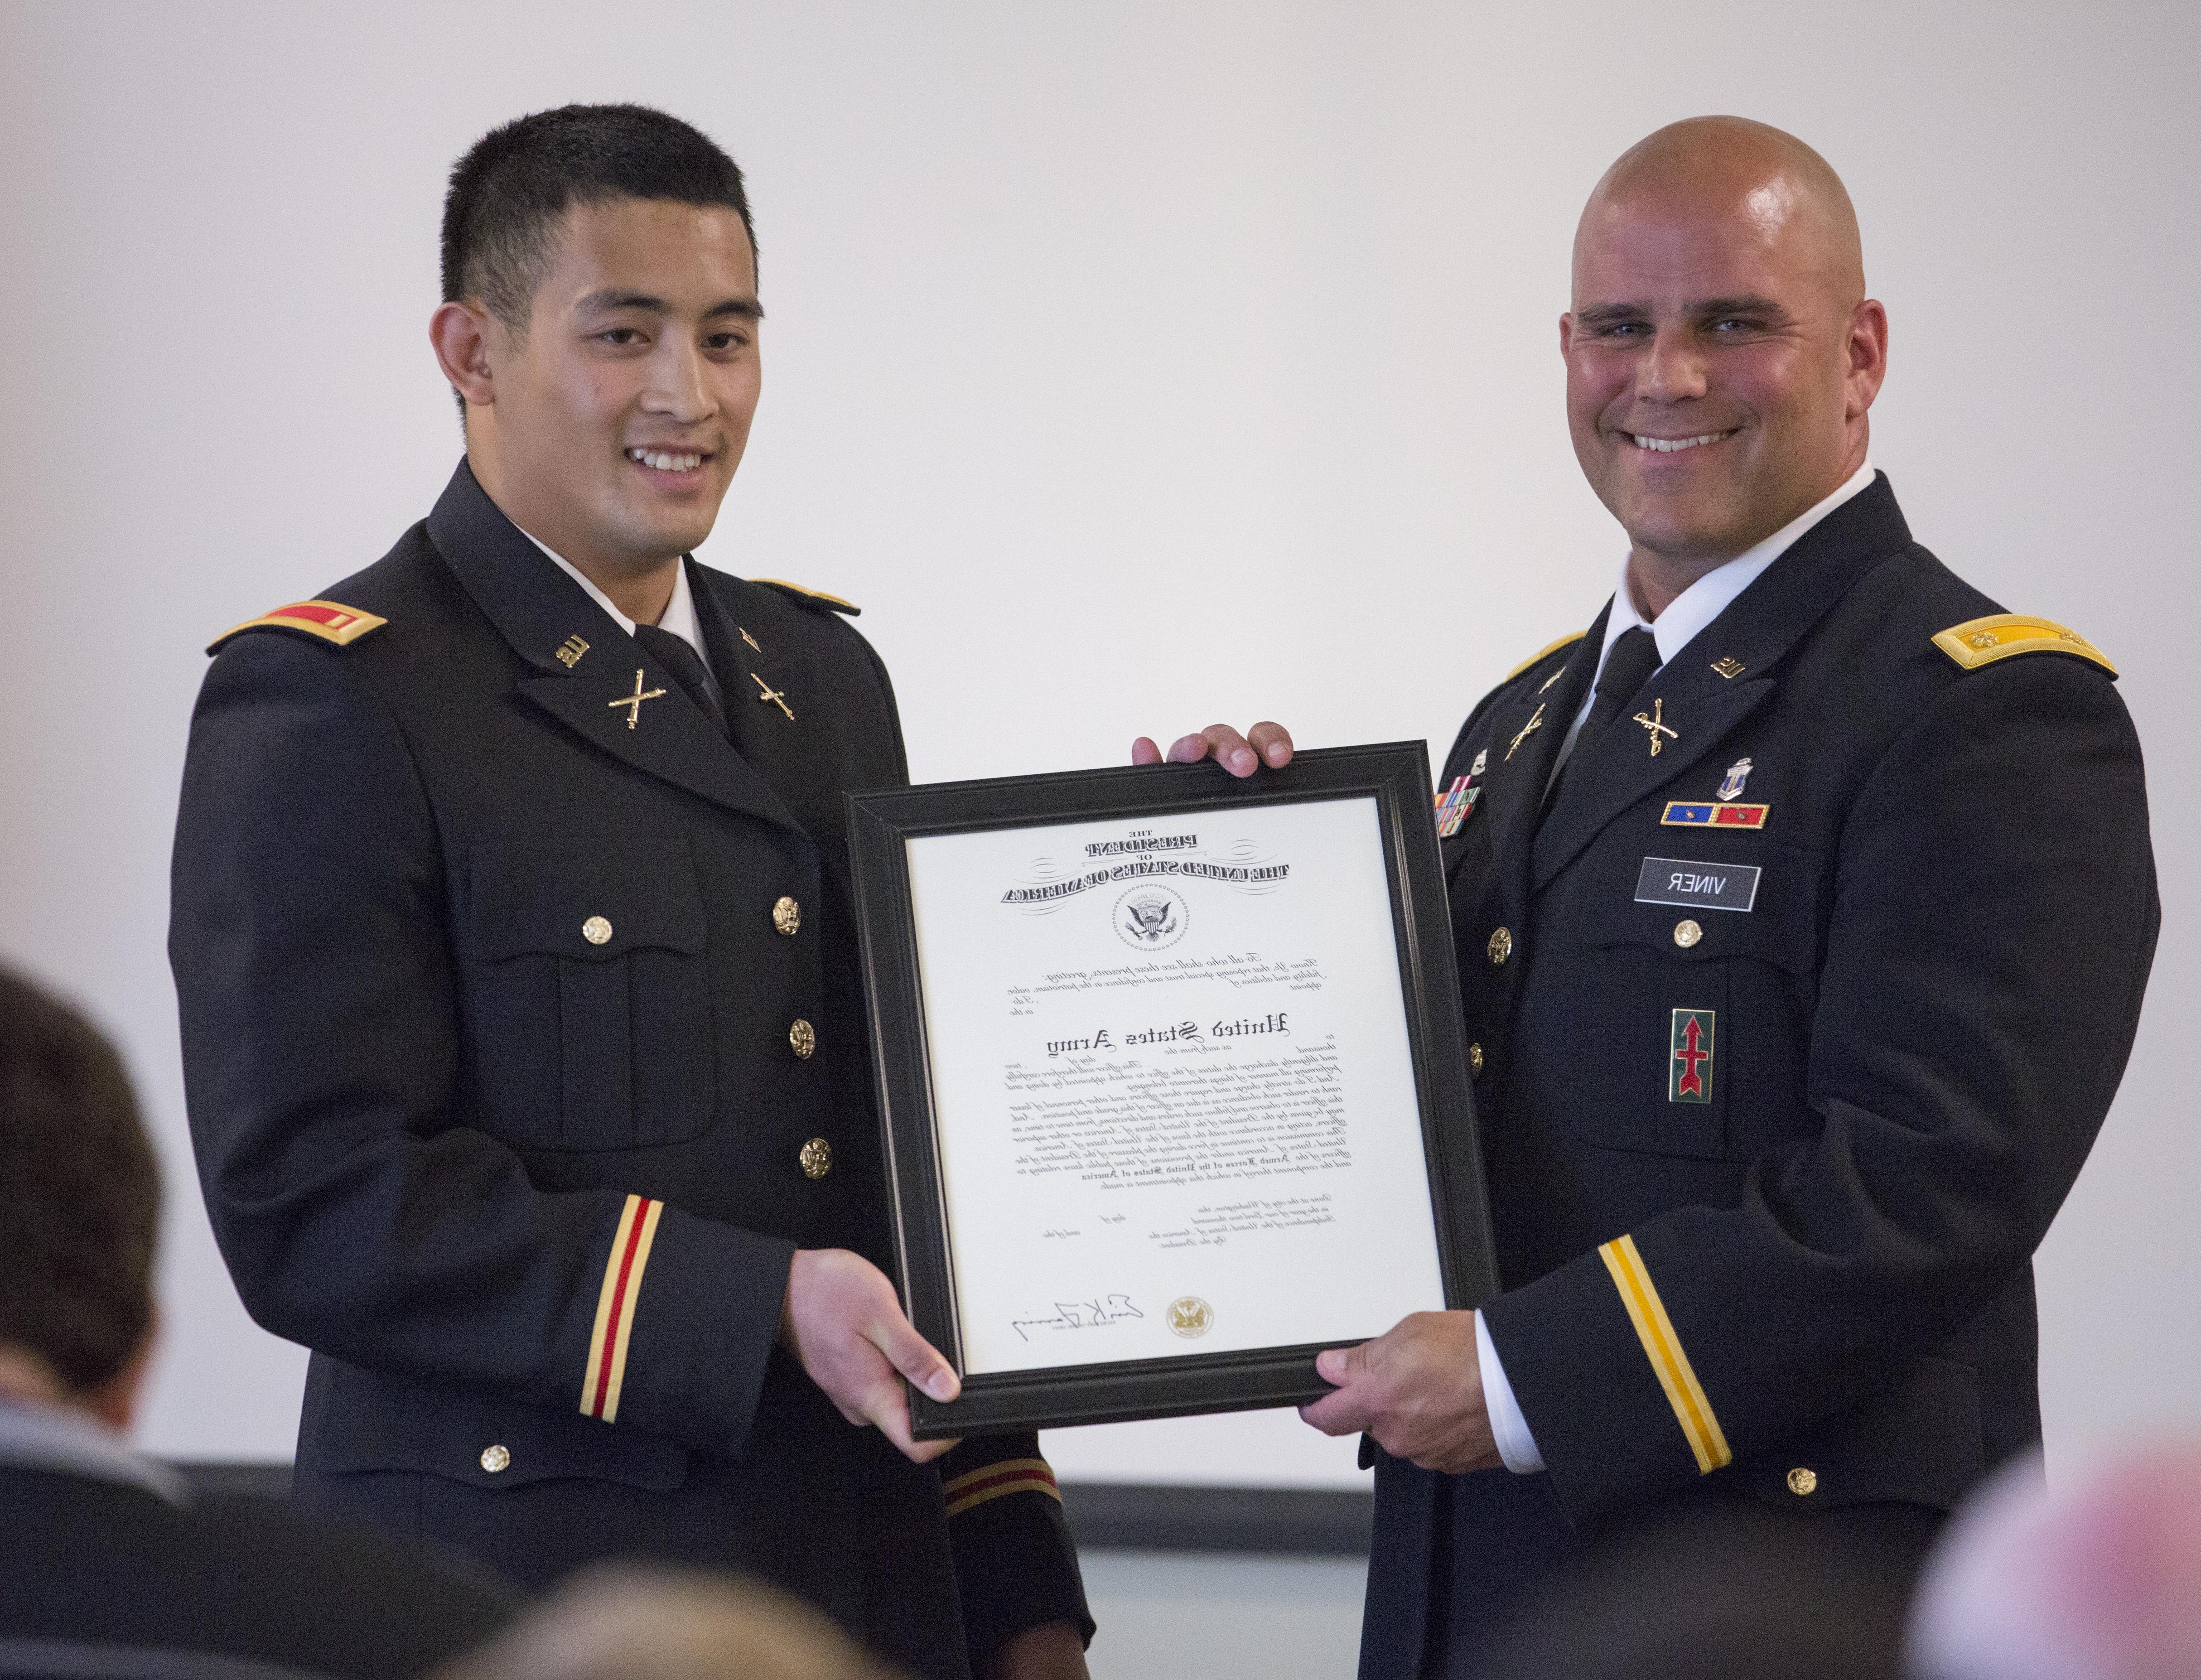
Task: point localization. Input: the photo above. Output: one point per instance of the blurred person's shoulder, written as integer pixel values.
(105, 1566)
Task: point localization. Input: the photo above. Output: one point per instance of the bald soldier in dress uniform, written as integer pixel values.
(1803, 906)
(524, 1043)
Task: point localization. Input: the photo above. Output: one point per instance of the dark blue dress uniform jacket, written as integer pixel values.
(490, 1046)
(1815, 1288)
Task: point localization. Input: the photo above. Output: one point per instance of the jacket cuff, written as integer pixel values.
(687, 1312)
(1016, 1565)
(1601, 1377)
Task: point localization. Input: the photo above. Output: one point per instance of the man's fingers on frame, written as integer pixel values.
(1273, 741)
(893, 1418)
(890, 1412)
(1230, 750)
(1144, 751)
(915, 1358)
(1334, 1414)
(1187, 750)
(1341, 1365)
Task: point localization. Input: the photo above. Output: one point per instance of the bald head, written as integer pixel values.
(1758, 177)
(1720, 351)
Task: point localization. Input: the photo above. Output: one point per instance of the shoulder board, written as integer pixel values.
(325, 621)
(816, 598)
(1544, 654)
(1979, 641)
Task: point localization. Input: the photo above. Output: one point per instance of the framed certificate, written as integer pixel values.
(1172, 1079)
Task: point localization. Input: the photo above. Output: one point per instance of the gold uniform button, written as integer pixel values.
(1475, 1058)
(816, 1158)
(803, 1036)
(494, 1458)
(596, 931)
(787, 917)
(1687, 933)
(1501, 944)
(1802, 1482)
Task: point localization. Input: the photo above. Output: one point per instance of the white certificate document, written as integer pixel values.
(1173, 1088)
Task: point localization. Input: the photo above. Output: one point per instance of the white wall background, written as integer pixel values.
(1134, 365)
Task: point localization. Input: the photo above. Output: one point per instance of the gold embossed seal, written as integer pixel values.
(1189, 1316)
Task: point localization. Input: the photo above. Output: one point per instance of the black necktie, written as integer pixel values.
(1634, 657)
(688, 670)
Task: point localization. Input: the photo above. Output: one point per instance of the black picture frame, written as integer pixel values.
(880, 824)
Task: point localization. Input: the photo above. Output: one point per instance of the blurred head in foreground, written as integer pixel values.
(625, 1623)
(2098, 1578)
(79, 1213)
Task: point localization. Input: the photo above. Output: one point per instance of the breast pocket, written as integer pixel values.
(589, 998)
(1707, 1009)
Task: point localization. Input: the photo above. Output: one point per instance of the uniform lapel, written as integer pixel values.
(1702, 706)
(775, 704)
(585, 664)
(1618, 771)
(671, 739)
(1525, 738)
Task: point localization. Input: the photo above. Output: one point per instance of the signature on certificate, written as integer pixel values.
(1079, 1315)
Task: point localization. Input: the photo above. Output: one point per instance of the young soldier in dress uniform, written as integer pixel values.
(1804, 907)
(523, 1033)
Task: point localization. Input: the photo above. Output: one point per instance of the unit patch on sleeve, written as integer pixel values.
(325, 620)
(1689, 1057)
(1979, 641)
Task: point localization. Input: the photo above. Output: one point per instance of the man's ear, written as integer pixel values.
(460, 334)
(1867, 350)
(114, 1402)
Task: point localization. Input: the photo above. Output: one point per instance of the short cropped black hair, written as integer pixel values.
(515, 183)
(79, 1193)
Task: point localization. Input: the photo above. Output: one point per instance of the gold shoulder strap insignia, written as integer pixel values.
(1541, 654)
(810, 597)
(329, 620)
(1979, 641)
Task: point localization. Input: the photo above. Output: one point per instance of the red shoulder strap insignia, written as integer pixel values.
(326, 621)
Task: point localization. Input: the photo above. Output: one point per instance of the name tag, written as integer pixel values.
(1708, 886)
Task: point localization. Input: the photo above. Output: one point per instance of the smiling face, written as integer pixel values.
(610, 426)
(1721, 354)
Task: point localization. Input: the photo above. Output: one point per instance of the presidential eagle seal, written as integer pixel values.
(1189, 1316)
(1151, 917)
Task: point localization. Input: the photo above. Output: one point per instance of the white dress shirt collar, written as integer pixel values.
(1705, 599)
(679, 614)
